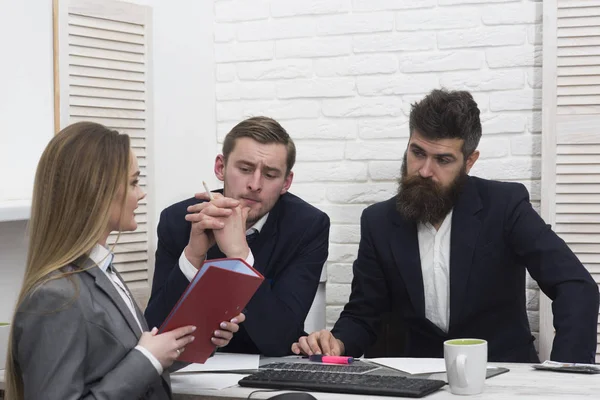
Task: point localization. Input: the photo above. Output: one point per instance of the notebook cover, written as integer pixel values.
(219, 295)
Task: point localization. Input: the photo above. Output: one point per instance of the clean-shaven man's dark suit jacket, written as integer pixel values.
(290, 252)
(74, 338)
(496, 235)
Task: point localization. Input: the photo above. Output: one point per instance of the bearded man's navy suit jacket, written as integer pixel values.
(290, 252)
(496, 236)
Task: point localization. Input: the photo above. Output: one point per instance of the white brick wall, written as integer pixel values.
(340, 76)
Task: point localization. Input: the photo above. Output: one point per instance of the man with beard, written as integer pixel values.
(447, 255)
(252, 218)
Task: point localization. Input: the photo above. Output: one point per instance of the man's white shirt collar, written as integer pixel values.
(258, 225)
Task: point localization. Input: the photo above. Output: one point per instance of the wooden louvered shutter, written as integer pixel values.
(101, 70)
(571, 136)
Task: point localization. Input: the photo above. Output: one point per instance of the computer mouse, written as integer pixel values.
(293, 396)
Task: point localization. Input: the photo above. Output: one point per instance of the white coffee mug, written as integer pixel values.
(466, 365)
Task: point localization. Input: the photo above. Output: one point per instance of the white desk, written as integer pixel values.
(520, 381)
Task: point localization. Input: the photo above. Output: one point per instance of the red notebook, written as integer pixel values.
(219, 291)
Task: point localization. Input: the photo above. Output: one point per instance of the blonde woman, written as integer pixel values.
(77, 333)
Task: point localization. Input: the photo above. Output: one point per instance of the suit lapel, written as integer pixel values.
(465, 231)
(105, 285)
(138, 312)
(405, 249)
(165, 380)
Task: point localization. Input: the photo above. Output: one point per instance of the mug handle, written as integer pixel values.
(461, 361)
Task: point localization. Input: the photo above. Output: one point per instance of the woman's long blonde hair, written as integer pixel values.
(77, 179)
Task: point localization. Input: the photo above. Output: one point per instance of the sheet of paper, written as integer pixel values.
(412, 365)
(191, 383)
(415, 365)
(224, 362)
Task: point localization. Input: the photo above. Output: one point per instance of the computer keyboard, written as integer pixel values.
(336, 382)
(318, 367)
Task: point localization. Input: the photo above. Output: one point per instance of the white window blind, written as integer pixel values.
(571, 136)
(102, 73)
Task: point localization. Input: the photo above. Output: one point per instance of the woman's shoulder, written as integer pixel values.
(59, 290)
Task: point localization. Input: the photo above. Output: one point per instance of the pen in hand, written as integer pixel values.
(208, 192)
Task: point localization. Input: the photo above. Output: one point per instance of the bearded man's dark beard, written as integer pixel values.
(423, 200)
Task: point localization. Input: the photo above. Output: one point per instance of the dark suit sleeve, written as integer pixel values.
(169, 282)
(281, 307)
(51, 345)
(560, 275)
(369, 297)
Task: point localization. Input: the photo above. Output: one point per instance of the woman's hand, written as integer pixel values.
(221, 337)
(167, 346)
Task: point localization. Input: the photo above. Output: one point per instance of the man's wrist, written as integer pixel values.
(196, 261)
(342, 347)
(242, 253)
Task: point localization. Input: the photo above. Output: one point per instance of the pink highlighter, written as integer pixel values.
(331, 359)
